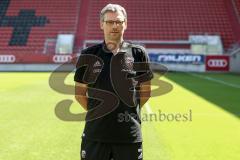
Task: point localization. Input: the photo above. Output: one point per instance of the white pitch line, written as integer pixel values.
(148, 108)
(216, 80)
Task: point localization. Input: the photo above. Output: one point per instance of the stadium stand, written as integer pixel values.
(25, 26)
(168, 20)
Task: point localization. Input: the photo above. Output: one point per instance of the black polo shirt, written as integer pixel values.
(113, 84)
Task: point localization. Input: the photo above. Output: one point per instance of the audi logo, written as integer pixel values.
(7, 58)
(62, 58)
(217, 63)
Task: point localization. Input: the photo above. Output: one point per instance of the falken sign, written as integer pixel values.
(176, 58)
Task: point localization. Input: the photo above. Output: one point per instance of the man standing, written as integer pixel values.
(112, 84)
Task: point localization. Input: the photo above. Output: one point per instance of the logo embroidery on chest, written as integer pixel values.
(97, 67)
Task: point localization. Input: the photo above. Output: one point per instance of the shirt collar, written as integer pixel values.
(124, 47)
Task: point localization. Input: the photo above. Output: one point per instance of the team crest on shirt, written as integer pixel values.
(128, 63)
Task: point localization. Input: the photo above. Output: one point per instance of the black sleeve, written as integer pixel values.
(143, 69)
(80, 70)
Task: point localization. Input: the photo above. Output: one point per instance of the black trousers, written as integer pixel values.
(92, 150)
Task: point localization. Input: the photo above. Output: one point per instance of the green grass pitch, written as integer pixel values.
(30, 130)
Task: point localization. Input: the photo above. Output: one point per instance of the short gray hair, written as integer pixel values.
(113, 8)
